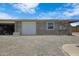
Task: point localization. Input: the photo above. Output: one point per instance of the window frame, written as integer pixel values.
(48, 25)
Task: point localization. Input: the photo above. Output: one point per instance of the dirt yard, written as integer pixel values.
(75, 33)
(34, 45)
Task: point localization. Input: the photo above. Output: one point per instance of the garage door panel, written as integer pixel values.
(28, 28)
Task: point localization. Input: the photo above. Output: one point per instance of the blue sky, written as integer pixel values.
(39, 11)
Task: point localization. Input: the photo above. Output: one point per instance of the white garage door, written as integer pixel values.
(28, 28)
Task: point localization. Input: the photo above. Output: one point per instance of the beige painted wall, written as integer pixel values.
(7, 22)
(18, 26)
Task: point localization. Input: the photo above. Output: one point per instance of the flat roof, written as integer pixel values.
(64, 20)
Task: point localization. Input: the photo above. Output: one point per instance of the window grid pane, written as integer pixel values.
(50, 25)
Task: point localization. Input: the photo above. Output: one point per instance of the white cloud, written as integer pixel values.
(72, 12)
(75, 24)
(61, 13)
(26, 7)
(52, 15)
(6, 16)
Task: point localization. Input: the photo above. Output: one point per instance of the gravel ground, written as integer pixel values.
(35, 45)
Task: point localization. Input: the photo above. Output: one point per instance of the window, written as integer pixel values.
(61, 26)
(50, 25)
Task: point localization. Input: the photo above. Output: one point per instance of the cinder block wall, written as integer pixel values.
(69, 29)
(41, 28)
(75, 29)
